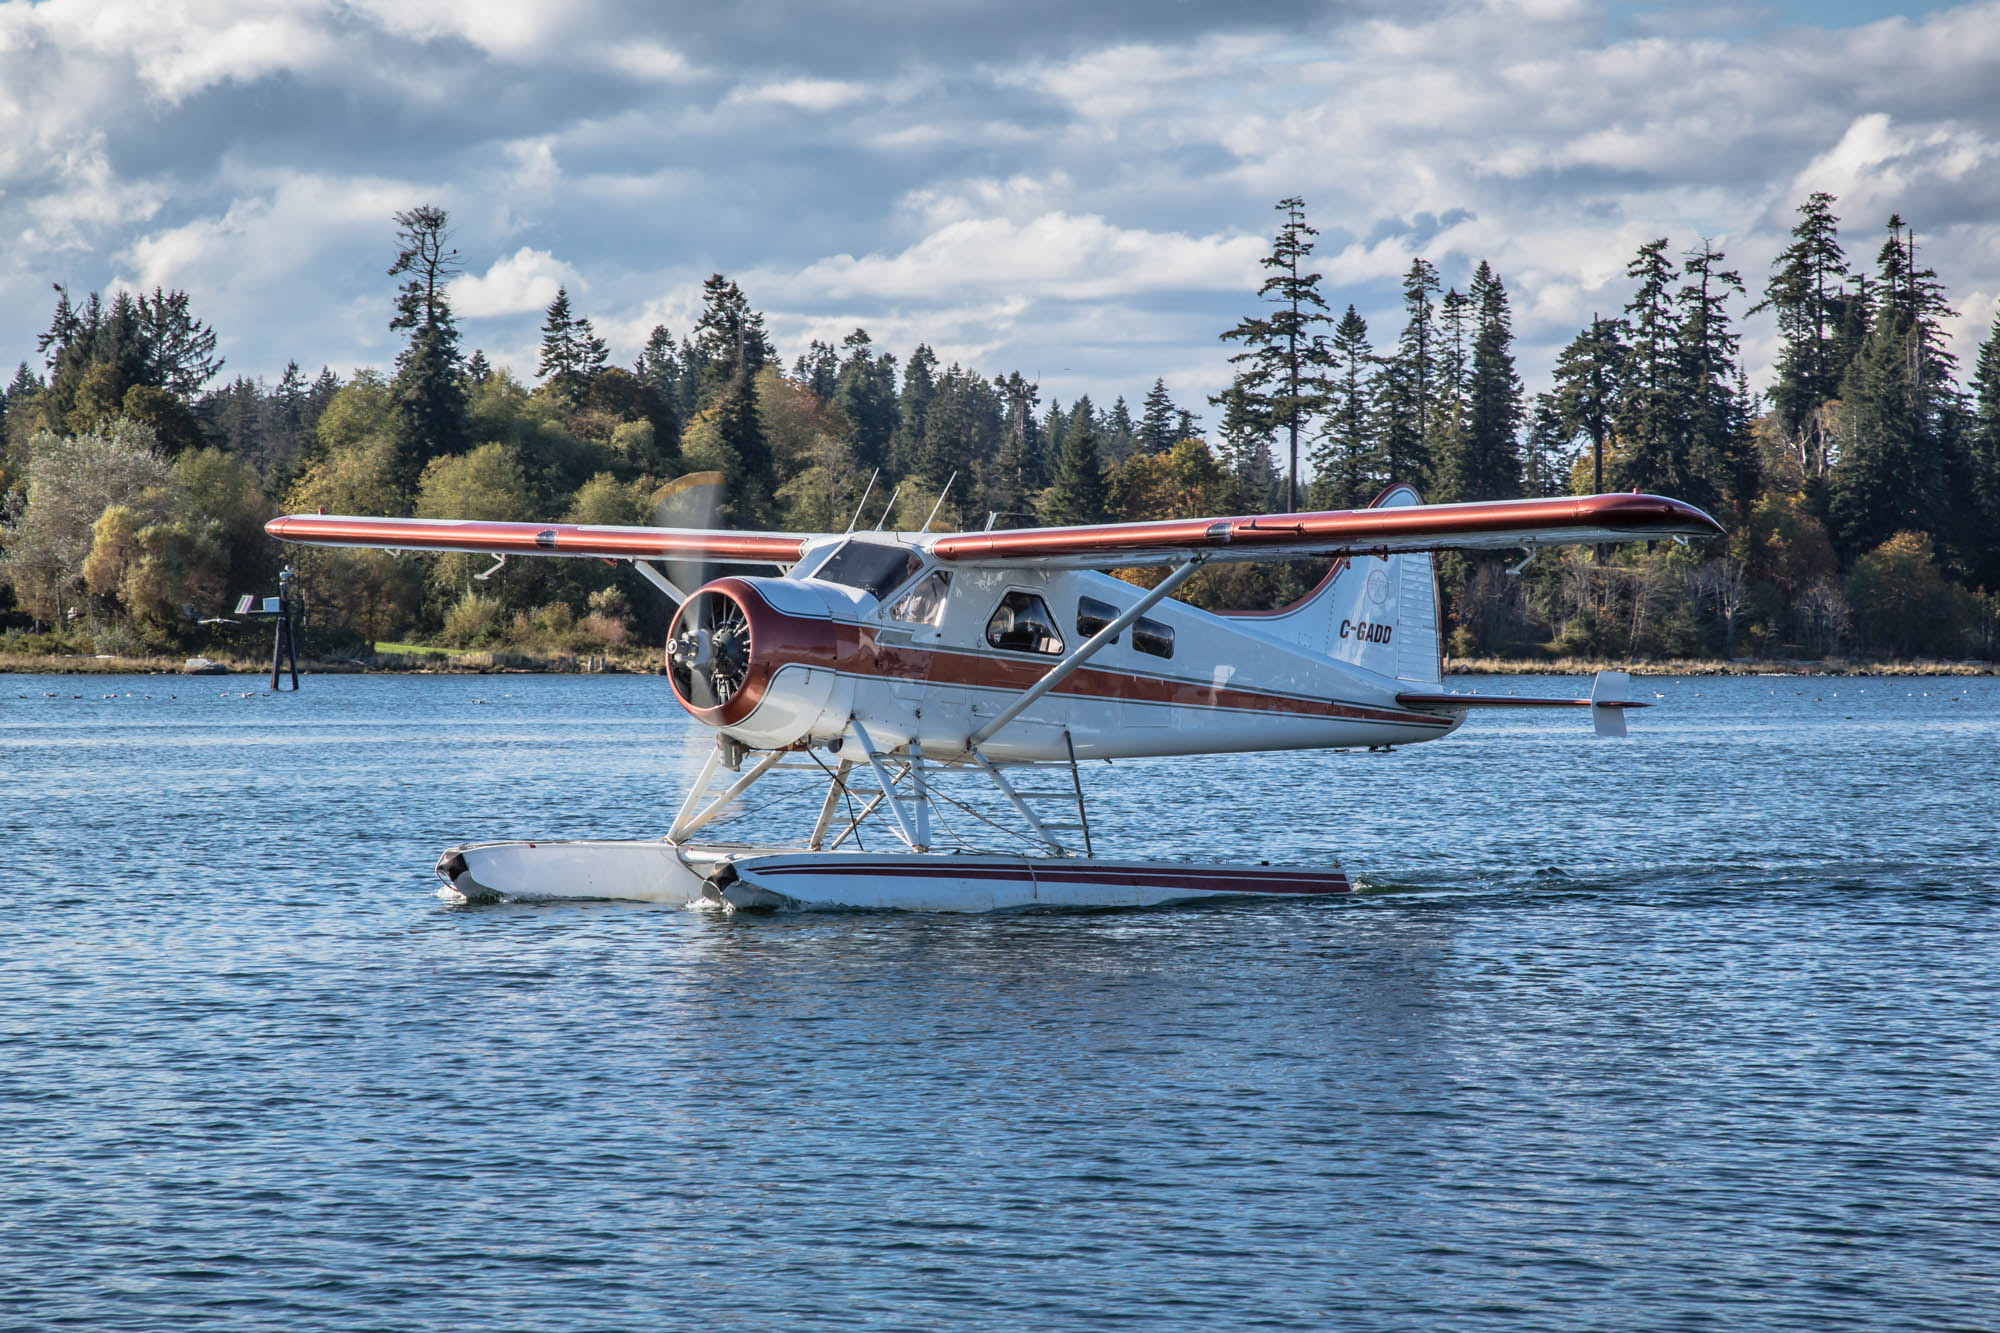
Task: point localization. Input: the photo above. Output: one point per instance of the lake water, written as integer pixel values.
(1697, 1030)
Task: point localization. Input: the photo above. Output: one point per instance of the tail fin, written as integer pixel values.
(1376, 613)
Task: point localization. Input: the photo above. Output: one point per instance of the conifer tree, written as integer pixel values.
(658, 370)
(1819, 331)
(1079, 493)
(1282, 362)
(562, 361)
(429, 388)
(866, 396)
(1899, 413)
(1121, 435)
(1588, 373)
(1722, 459)
(818, 369)
(1545, 459)
(1159, 425)
(1405, 383)
(1344, 463)
(1984, 448)
(961, 431)
(750, 483)
(1245, 450)
(1651, 422)
(1490, 463)
(729, 340)
(1022, 467)
(1446, 417)
(919, 387)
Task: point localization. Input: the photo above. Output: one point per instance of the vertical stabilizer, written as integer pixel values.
(1373, 612)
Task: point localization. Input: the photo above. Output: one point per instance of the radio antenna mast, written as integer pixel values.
(864, 499)
(940, 500)
(891, 507)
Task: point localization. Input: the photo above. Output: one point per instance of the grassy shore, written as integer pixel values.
(415, 658)
(1832, 666)
(412, 659)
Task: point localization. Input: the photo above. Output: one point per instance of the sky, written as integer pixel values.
(1078, 191)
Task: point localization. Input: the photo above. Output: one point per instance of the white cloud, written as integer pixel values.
(1102, 211)
(819, 95)
(524, 281)
(1055, 255)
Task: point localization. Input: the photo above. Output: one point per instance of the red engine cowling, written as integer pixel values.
(755, 658)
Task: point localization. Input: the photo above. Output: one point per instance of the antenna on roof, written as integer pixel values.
(891, 507)
(864, 499)
(940, 500)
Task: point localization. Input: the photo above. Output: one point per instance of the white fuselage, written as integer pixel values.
(936, 669)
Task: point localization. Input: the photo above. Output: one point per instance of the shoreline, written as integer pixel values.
(510, 663)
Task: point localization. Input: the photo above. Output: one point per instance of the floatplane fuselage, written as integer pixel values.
(883, 661)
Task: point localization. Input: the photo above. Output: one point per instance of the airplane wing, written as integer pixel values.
(558, 539)
(1490, 525)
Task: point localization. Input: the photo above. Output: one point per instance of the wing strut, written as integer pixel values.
(1182, 572)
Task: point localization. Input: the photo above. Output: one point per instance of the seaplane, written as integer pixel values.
(897, 668)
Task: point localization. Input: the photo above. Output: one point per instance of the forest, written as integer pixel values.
(1860, 488)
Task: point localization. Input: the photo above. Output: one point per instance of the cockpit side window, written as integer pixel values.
(1022, 622)
(874, 567)
(924, 604)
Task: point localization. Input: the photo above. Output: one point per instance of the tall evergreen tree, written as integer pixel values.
(1023, 465)
(750, 481)
(1489, 465)
(179, 350)
(1445, 419)
(1985, 453)
(1405, 384)
(1245, 450)
(659, 372)
(818, 369)
(1546, 458)
(1121, 434)
(729, 339)
(429, 388)
(1346, 471)
(1722, 458)
(1587, 378)
(562, 360)
(1079, 492)
(866, 396)
(1283, 359)
(1899, 416)
(961, 431)
(1651, 422)
(1818, 333)
(1159, 424)
(919, 386)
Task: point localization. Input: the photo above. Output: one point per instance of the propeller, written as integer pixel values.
(692, 501)
(709, 653)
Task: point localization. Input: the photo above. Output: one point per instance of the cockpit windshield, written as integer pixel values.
(875, 567)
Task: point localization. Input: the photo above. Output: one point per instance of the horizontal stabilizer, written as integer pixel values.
(1607, 702)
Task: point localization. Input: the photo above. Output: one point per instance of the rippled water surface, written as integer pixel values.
(1698, 1030)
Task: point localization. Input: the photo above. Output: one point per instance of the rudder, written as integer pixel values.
(1373, 612)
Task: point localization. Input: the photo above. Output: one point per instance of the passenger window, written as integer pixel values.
(924, 604)
(1093, 615)
(1023, 623)
(1150, 636)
